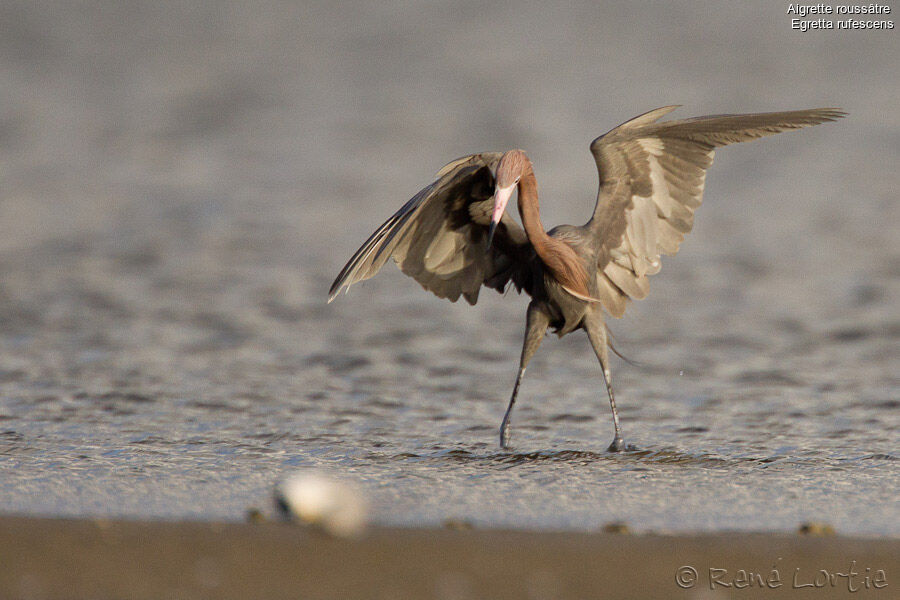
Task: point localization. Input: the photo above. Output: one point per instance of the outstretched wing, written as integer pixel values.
(439, 237)
(651, 182)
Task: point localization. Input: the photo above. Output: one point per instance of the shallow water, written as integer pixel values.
(181, 185)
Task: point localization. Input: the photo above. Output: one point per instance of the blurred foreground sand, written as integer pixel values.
(67, 559)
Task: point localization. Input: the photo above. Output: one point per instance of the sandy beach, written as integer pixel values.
(49, 559)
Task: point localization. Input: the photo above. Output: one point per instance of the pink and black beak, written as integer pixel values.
(501, 198)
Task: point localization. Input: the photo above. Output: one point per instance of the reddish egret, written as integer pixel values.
(454, 236)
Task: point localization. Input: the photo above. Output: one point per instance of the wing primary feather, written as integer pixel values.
(436, 240)
(652, 177)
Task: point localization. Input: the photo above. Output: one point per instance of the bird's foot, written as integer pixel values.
(617, 445)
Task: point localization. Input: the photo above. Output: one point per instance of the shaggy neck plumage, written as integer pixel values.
(559, 258)
(529, 210)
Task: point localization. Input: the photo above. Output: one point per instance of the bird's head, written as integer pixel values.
(510, 169)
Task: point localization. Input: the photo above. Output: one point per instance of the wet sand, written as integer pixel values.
(65, 558)
(181, 182)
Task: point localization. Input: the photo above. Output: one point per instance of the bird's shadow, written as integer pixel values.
(633, 458)
(631, 454)
(513, 457)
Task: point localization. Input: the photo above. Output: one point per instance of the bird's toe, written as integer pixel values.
(617, 445)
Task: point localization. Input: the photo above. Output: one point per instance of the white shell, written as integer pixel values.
(315, 499)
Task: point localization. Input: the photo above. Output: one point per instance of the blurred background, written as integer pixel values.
(182, 181)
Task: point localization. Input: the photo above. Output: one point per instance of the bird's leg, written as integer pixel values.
(618, 444)
(504, 426)
(536, 326)
(596, 332)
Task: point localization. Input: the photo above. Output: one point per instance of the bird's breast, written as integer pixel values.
(566, 311)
